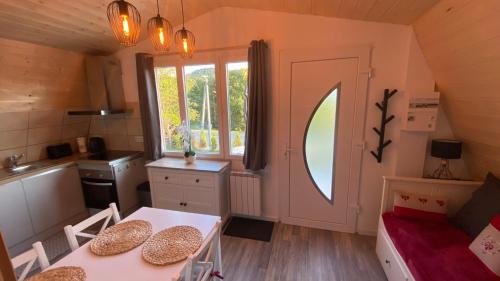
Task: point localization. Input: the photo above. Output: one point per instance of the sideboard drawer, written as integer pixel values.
(194, 179)
(199, 180)
(166, 176)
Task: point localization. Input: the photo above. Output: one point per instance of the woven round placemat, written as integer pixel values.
(172, 245)
(65, 273)
(121, 238)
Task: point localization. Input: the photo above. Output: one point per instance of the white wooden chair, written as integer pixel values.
(28, 258)
(77, 230)
(206, 261)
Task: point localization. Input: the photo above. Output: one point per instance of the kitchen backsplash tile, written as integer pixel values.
(120, 132)
(31, 132)
(44, 135)
(116, 126)
(75, 130)
(97, 126)
(136, 143)
(134, 127)
(13, 139)
(39, 129)
(13, 121)
(116, 142)
(45, 118)
(39, 151)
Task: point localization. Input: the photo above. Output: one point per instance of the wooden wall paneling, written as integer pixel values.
(36, 77)
(461, 42)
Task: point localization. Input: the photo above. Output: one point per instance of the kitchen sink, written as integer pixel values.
(25, 168)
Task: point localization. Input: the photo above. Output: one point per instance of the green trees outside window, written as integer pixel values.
(200, 95)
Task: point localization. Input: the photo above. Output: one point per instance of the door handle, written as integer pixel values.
(288, 149)
(98, 183)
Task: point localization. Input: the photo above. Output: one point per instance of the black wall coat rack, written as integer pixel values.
(382, 143)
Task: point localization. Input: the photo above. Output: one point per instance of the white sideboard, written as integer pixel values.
(201, 187)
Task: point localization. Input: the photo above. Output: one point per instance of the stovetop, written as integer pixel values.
(110, 155)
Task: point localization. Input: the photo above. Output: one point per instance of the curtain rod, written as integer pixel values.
(207, 50)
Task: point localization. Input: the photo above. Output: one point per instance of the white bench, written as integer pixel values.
(457, 192)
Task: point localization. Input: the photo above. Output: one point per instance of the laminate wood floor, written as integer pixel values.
(301, 253)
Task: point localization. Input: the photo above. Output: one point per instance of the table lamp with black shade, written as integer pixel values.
(445, 149)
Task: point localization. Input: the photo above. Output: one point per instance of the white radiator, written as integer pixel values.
(245, 194)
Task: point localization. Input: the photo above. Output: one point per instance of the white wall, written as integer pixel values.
(419, 83)
(391, 44)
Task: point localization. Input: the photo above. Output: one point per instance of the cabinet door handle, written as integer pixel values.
(181, 204)
(185, 204)
(166, 178)
(197, 180)
(97, 183)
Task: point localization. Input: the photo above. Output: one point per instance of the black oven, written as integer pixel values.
(99, 193)
(99, 188)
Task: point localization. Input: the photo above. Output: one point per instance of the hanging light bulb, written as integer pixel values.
(160, 32)
(125, 21)
(184, 39)
(125, 27)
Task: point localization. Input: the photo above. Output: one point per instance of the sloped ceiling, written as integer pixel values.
(81, 25)
(461, 42)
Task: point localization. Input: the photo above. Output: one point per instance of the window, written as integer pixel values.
(319, 145)
(199, 92)
(237, 73)
(200, 88)
(168, 99)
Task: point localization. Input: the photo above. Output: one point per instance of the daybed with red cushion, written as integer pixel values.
(422, 249)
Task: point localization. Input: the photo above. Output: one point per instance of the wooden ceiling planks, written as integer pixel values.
(461, 42)
(82, 25)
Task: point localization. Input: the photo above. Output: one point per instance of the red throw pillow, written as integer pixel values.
(423, 207)
(486, 246)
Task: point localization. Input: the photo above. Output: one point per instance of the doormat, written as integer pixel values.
(250, 229)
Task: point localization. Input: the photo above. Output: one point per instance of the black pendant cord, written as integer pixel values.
(384, 120)
(158, 7)
(182, 8)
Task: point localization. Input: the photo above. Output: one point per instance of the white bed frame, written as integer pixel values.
(457, 192)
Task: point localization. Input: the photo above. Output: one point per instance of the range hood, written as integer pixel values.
(104, 86)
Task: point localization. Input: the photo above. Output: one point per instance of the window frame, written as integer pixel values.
(226, 82)
(220, 58)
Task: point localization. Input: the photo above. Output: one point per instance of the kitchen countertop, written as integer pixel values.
(49, 164)
(198, 165)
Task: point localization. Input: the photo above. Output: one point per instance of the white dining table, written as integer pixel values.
(131, 265)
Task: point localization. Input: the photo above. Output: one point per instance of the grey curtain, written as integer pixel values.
(148, 101)
(256, 134)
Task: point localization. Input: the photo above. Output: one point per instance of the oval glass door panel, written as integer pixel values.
(319, 144)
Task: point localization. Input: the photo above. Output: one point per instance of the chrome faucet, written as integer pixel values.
(14, 159)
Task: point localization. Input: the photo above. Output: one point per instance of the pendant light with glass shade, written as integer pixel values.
(125, 22)
(184, 39)
(160, 32)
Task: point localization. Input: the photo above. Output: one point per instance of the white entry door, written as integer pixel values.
(324, 145)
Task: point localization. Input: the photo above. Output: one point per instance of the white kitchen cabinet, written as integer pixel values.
(15, 222)
(53, 197)
(201, 187)
(128, 176)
